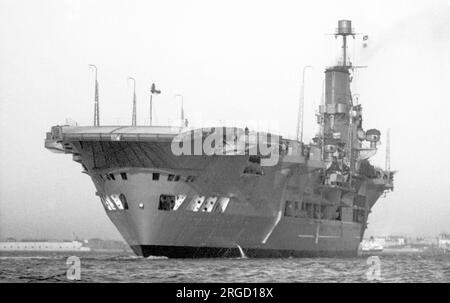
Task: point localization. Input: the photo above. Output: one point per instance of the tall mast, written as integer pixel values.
(301, 107)
(133, 118)
(322, 121)
(182, 108)
(344, 29)
(96, 107)
(151, 109)
(153, 91)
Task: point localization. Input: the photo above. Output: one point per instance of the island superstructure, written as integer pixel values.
(314, 201)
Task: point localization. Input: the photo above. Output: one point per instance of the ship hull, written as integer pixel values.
(184, 234)
(227, 252)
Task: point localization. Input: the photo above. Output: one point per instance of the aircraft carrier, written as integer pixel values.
(251, 193)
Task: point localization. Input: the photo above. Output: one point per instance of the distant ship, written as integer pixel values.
(371, 246)
(314, 201)
(43, 246)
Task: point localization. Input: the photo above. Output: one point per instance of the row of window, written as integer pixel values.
(155, 177)
(312, 211)
(318, 211)
(197, 203)
(170, 203)
(112, 177)
(172, 177)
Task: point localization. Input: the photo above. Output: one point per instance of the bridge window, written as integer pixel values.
(155, 177)
(112, 176)
(170, 177)
(124, 176)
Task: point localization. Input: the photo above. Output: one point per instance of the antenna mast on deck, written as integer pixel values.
(133, 118)
(153, 91)
(301, 107)
(96, 107)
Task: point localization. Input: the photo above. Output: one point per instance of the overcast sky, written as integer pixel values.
(231, 60)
